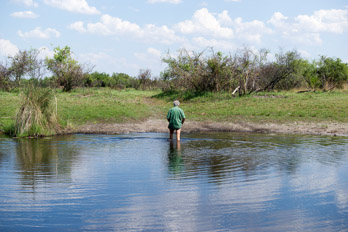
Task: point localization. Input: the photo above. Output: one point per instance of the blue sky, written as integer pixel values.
(126, 36)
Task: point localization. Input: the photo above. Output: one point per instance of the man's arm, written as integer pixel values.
(168, 116)
(183, 120)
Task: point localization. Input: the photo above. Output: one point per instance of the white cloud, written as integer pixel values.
(306, 38)
(306, 29)
(304, 53)
(164, 1)
(278, 20)
(28, 3)
(224, 18)
(161, 34)
(45, 52)
(24, 14)
(202, 42)
(78, 6)
(335, 21)
(7, 48)
(205, 23)
(154, 52)
(249, 31)
(205, 26)
(38, 33)
(109, 25)
(78, 26)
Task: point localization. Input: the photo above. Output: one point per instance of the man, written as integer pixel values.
(176, 118)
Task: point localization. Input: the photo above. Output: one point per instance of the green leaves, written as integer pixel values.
(68, 72)
(332, 72)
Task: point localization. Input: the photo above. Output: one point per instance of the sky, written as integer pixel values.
(129, 36)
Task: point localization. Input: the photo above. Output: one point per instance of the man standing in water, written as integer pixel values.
(176, 118)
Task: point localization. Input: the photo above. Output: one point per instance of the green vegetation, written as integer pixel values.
(247, 71)
(83, 106)
(68, 73)
(105, 105)
(277, 107)
(208, 83)
(10, 103)
(37, 115)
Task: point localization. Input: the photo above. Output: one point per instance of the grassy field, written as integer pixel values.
(271, 107)
(113, 106)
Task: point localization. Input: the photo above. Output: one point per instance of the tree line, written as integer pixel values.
(26, 67)
(247, 71)
(243, 72)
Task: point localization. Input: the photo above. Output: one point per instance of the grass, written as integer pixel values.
(104, 105)
(9, 104)
(278, 107)
(36, 115)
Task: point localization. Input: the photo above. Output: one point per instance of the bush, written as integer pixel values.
(67, 71)
(5, 81)
(332, 73)
(37, 115)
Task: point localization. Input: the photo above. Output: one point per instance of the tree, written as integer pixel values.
(97, 79)
(5, 73)
(123, 80)
(19, 65)
(215, 72)
(310, 75)
(186, 71)
(220, 71)
(144, 78)
(332, 72)
(248, 66)
(26, 63)
(68, 72)
(286, 69)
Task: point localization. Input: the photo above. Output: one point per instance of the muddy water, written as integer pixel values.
(142, 182)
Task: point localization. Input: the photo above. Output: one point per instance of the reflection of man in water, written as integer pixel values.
(176, 118)
(175, 161)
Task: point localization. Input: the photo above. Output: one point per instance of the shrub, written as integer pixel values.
(37, 115)
(332, 72)
(68, 72)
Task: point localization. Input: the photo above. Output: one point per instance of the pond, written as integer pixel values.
(143, 182)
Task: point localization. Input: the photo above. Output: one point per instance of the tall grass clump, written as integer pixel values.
(37, 115)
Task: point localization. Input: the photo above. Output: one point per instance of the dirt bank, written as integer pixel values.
(158, 125)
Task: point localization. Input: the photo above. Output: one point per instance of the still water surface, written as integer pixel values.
(142, 182)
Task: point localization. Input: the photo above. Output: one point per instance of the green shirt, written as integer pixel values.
(175, 116)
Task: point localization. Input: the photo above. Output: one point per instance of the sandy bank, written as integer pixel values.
(159, 125)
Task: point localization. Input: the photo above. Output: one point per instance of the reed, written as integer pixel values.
(37, 115)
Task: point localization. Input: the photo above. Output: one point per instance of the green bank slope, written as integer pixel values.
(86, 106)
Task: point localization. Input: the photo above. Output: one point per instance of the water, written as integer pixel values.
(142, 182)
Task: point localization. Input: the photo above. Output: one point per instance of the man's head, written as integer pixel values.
(176, 103)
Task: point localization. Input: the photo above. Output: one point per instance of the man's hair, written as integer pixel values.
(176, 103)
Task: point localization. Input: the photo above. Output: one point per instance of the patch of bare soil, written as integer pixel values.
(159, 125)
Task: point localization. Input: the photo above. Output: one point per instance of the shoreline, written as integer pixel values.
(160, 126)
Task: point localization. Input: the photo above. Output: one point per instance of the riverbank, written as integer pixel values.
(160, 126)
(107, 111)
